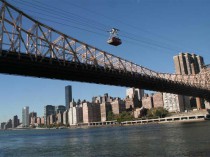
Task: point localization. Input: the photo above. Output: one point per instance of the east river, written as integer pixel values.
(168, 139)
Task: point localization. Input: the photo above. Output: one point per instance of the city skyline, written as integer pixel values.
(187, 27)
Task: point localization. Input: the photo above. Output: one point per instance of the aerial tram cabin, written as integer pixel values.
(113, 39)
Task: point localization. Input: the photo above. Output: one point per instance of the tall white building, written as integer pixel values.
(65, 117)
(75, 115)
(25, 116)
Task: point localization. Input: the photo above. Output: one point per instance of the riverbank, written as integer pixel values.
(192, 116)
(167, 120)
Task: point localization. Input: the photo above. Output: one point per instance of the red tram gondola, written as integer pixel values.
(113, 39)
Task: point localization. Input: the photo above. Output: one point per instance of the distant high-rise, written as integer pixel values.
(60, 109)
(91, 112)
(2, 125)
(186, 63)
(118, 106)
(133, 98)
(32, 117)
(135, 92)
(75, 115)
(8, 124)
(15, 121)
(48, 110)
(65, 117)
(105, 108)
(25, 116)
(68, 96)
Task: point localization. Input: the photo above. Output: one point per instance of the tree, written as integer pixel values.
(110, 116)
(125, 116)
(158, 112)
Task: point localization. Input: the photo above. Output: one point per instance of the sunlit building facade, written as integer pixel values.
(25, 116)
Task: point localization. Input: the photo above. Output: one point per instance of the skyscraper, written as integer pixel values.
(186, 63)
(2, 125)
(48, 110)
(60, 109)
(25, 116)
(68, 96)
(33, 116)
(8, 124)
(15, 121)
(75, 115)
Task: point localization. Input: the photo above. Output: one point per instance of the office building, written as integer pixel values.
(8, 124)
(15, 121)
(25, 116)
(60, 109)
(68, 96)
(2, 125)
(48, 110)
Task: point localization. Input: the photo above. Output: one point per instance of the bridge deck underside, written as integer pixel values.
(22, 64)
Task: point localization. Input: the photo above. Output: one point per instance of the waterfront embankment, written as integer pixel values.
(175, 117)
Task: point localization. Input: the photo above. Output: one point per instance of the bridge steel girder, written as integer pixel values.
(42, 51)
(12, 63)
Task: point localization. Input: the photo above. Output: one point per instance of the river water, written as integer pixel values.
(169, 139)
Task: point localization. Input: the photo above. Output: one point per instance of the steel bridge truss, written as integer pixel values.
(24, 35)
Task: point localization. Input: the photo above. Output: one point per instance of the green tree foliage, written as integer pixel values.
(110, 116)
(158, 112)
(125, 116)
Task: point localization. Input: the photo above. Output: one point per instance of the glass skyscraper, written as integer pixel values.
(25, 116)
(68, 96)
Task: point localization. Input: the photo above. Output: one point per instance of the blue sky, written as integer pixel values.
(152, 32)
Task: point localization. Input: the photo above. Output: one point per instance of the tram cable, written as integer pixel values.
(62, 15)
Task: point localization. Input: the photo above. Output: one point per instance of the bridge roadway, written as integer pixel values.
(23, 64)
(31, 48)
